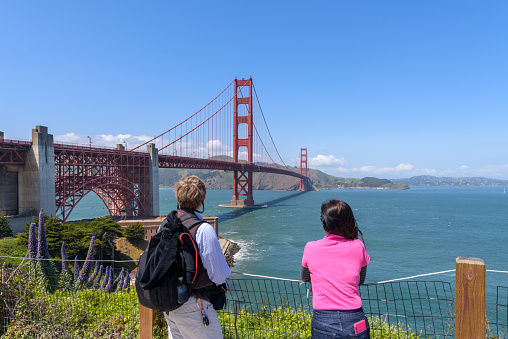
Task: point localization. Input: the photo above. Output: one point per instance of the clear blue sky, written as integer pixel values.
(372, 88)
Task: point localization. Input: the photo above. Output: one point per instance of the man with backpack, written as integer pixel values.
(197, 318)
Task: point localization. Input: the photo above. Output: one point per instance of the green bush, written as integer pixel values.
(5, 229)
(282, 322)
(10, 247)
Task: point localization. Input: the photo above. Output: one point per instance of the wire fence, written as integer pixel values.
(399, 309)
(269, 308)
(257, 307)
(499, 325)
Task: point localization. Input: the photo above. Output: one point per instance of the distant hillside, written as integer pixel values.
(427, 180)
(267, 181)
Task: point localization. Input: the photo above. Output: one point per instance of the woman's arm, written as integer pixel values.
(363, 274)
(305, 274)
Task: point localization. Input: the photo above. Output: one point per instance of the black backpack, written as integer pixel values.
(171, 254)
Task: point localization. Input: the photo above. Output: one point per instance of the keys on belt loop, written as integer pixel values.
(205, 319)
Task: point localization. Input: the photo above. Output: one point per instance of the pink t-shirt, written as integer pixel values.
(334, 264)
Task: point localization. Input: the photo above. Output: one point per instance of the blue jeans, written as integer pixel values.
(338, 324)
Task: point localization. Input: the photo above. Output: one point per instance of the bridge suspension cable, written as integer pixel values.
(186, 120)
(208, 133)
(267, 128)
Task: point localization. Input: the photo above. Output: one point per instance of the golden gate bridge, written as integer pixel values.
(229, 133)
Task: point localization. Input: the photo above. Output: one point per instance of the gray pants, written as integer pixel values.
(186, 322)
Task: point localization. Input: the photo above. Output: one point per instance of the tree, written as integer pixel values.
(105, 231)
(5, 229)
(134, 231)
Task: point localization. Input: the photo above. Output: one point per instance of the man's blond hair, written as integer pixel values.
(190, 192)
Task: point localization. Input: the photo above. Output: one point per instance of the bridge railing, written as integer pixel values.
(15, 142)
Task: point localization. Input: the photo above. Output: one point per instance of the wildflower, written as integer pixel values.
(106, 278)
(85, 270)
(126, 286)
(118, 281)
(76, 268)
(32, 242)
(64, 257)
(109, 286)
(95, 272)
(42, 244)
(65, 280)
(44, 270)
(98, 277)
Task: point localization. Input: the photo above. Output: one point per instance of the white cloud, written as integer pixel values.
(110, 140)
(326, 161)
(68, 137)
(385, 170)
(399, 171)
(106, 140)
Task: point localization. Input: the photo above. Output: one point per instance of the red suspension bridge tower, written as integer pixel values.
(303, 169)
(242, 180)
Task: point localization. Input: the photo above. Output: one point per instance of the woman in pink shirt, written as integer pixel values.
(335, 266)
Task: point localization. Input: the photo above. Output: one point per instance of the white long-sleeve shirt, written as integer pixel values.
(211, 254)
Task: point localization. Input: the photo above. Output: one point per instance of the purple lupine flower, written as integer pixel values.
(120, 276)
(42, 245)
(76, 268)
(32, 242)
(106, 278)
(85, 270)
(64, 257)
(109, 286)
(126, 282)
(98, 277)
(94, 274)
(117, 284)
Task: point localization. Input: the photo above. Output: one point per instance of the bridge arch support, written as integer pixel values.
(124, 181)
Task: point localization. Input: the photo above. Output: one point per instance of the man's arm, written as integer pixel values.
(211, 254)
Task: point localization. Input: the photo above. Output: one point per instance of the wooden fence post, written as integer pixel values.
(147, 319)
(469, 298)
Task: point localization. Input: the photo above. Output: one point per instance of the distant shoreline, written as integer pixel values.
(427, 180)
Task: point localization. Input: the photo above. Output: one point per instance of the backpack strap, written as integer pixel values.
(190, 220)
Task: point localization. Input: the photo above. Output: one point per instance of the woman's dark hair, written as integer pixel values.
(337, 218)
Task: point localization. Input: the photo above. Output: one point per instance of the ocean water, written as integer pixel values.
(407, 233)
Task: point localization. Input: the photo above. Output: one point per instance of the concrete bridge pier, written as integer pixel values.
(36, 179)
